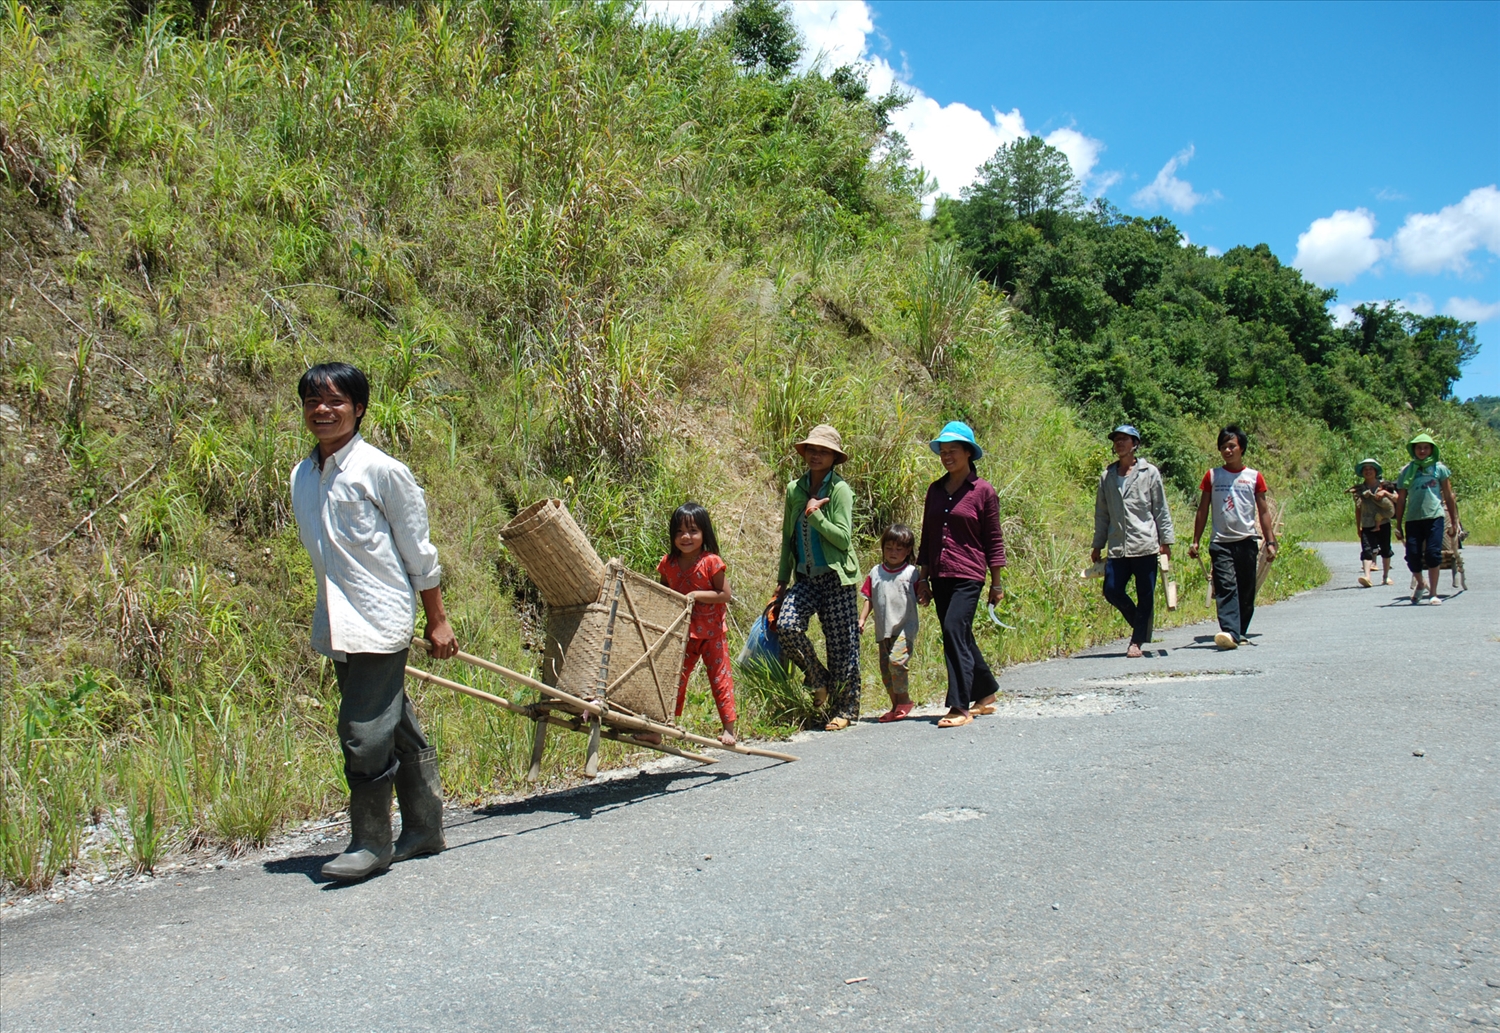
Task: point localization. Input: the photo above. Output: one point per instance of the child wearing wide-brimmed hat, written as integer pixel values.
(817, 545)
(1424, 493)
(1374, 505)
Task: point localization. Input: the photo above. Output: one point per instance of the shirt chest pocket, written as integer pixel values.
(356, 519)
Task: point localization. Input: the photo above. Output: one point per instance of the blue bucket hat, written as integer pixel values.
(957, 430)
(1125, 428)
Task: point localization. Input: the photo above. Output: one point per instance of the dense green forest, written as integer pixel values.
(1143, 327)
(582, 256)
(1487, 408)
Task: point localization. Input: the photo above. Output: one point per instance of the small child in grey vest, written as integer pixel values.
(890, 592)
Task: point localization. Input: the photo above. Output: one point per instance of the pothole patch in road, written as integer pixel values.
(951, 814)
(1040, 703)
(1169, 677)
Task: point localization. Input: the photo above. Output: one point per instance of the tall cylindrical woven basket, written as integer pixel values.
(555, 554)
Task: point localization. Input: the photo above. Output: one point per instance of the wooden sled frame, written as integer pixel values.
(598, 719)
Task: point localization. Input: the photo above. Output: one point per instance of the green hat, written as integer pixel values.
(1359, 467)
(1423, 438)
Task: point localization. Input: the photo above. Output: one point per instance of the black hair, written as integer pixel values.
(1233, 431)
(346, 379)
(899, 534)
(692, 513)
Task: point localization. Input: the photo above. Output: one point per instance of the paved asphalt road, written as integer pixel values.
(1198, 840)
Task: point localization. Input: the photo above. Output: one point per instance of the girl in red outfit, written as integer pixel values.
(694, 568)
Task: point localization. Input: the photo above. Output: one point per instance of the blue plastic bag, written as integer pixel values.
(761, 647)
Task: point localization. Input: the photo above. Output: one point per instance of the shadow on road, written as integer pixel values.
(581, 803)
(1207, 642)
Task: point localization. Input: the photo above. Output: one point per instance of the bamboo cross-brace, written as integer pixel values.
(606, 713)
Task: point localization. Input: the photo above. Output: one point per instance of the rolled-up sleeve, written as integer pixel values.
(406, 511)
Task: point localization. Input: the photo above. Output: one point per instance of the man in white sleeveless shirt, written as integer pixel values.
(1236, 495)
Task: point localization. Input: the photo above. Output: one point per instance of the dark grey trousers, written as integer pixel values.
(1234, 566)
(377, 723)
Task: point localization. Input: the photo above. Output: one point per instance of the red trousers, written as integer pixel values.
(715, 654)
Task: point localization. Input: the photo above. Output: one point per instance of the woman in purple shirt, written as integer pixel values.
(961, 540)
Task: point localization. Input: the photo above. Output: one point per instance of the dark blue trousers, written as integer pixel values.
(1424, 544)
(1138, 613)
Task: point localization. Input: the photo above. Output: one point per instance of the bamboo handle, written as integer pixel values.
(499, 701)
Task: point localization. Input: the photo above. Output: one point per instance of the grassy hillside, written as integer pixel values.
(579, 256)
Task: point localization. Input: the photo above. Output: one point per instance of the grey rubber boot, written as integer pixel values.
(369, 850)
(420, 792)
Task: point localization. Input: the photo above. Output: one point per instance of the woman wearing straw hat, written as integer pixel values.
(817, 544)
(961, 539)
(1374, 506)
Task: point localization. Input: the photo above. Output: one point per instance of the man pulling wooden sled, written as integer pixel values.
(615, 639)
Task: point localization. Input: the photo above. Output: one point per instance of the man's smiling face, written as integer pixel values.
(330, 416)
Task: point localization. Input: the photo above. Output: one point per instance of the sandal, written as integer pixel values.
(899, 712)
(954, 721)
(984, 711)
(838, 724)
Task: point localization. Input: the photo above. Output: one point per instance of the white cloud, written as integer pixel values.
(1443, 241)
(949, 140)
(1343, 312)
(835, 31)
(1419, 304)
(1082, 151)
(1167, 189)
(1208, 249)
(1471, 310)
(1338, 248)
(952, 140)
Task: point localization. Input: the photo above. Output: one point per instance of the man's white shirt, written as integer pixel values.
(363, 520)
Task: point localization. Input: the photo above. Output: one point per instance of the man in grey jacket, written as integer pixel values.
(1130, 513)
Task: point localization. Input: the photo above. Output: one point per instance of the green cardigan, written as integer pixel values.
(834, 523)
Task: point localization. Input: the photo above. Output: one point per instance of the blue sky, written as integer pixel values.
(1360, 141)
(1252, 122)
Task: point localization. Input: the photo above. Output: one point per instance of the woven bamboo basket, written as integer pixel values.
(562, 625)
(628, 645)
(555, 554)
